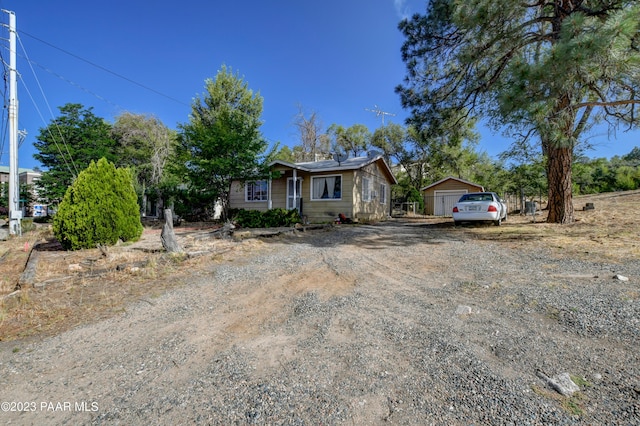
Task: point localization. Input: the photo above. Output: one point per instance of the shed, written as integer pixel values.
(439, 197)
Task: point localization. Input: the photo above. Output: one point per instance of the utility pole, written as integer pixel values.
(15, 214)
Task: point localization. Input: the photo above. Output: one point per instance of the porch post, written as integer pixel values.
(295, 195)
(269, 200)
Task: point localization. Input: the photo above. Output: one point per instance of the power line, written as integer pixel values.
(104, 69)
(71, 82)
(50, 112)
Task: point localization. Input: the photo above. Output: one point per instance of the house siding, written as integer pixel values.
(372, 209)
(351, 203)
(322, 211)
(237, 199)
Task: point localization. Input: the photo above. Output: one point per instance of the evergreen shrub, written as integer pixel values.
(269, 219)
(100, 207)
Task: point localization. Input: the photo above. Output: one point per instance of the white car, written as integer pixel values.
(480, 206)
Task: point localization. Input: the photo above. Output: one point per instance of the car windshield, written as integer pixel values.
(476, 197)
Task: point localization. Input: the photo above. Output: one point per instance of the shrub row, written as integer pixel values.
(268, 219)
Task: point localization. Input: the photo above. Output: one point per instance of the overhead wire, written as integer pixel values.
(71, 82)
(104, 69)
(62, 139)
(74, 172)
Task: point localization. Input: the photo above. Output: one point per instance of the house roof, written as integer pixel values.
(6, 169)
(354, 163)
(451, 178)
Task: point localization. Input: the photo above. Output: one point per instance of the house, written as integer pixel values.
(25, 177)
(359, 188)
(440, 197)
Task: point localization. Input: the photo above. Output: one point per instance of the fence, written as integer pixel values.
(519, 203)
(442, 205)
(405, 209)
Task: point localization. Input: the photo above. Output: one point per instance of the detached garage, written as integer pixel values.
(440, 197)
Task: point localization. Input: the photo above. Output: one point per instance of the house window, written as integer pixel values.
(326, 188)
(383, 193)
(366, 192)
(257, 191)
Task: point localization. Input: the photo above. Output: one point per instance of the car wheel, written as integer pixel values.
(456, 223)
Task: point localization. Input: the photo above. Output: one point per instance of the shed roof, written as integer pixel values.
(452, 178)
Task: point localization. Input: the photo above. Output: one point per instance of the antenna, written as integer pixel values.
(380, 113)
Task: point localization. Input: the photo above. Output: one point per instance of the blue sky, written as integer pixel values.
(336, 57)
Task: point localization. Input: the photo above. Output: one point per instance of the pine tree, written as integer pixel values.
(544, 71)
(222, 140)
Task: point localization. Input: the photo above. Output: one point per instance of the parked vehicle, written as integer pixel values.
(480, 206)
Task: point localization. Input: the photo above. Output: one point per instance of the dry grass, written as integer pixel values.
(610, 232)
(83, 286)
(72, 288)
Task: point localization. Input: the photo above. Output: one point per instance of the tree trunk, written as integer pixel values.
(144, 199)
(559, 177)
(167, 236)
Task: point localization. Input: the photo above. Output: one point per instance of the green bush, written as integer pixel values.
(269, 219)
(249, 218)
(414, 196)
(99, 208)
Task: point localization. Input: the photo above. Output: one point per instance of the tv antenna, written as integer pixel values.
(380, 113)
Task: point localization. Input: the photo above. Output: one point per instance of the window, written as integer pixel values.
(366, 193)
(326, 188)
(257, 191)
(383, 193)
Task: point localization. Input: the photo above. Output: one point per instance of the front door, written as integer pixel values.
(293, 203)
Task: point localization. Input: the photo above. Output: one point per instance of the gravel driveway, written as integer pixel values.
(395, 323)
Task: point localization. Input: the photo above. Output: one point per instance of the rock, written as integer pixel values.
(463, 310)
(621, 278)
(75, 267)
(4, 234)
(561, 383)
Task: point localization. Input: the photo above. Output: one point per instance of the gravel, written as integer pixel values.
(394, 323)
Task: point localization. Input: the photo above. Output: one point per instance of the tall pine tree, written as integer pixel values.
(543, 69)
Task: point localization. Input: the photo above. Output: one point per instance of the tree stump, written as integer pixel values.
(168, 237)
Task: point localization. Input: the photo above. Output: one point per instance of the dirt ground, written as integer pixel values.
(71, 288)
(357, 325)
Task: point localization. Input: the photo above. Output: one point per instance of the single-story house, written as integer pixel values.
(359, 188)
(439, 197)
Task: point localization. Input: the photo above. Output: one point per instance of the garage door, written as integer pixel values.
(444, 201)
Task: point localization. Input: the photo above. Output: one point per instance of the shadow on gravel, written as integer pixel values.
(393, 233)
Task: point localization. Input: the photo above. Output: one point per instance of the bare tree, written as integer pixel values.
(314, 142)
